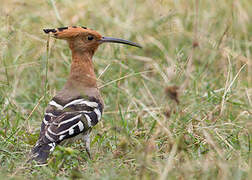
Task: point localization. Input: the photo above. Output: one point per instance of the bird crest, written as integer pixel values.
(70, 32)
(89, 35)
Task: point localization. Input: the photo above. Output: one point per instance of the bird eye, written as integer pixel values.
(90, 38)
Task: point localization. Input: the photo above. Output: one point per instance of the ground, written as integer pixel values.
(179, 108)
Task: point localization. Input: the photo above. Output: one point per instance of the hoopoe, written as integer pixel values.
(78, 106)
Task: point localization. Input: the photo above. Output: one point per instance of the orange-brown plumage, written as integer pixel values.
(82, 70)
(83, 49)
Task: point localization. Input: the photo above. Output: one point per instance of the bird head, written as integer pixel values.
(82, 39)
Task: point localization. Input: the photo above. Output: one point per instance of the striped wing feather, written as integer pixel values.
(65, 120)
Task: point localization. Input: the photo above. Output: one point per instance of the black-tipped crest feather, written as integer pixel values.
(49, 30)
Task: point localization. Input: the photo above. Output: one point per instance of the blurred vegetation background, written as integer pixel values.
(180, 108)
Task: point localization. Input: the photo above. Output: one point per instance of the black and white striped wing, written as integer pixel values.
(62, 121)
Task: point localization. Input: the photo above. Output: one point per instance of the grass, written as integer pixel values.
(180, 108)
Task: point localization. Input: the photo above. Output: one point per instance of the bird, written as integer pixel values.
(78, 106)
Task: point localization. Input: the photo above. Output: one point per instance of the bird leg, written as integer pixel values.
(86, 139)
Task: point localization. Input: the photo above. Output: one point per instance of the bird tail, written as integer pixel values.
(40, 152)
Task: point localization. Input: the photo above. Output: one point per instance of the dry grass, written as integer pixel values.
(180, 108)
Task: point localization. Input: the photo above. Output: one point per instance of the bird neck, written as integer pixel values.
(82, 73)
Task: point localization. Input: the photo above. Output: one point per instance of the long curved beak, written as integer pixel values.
(121, 41)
